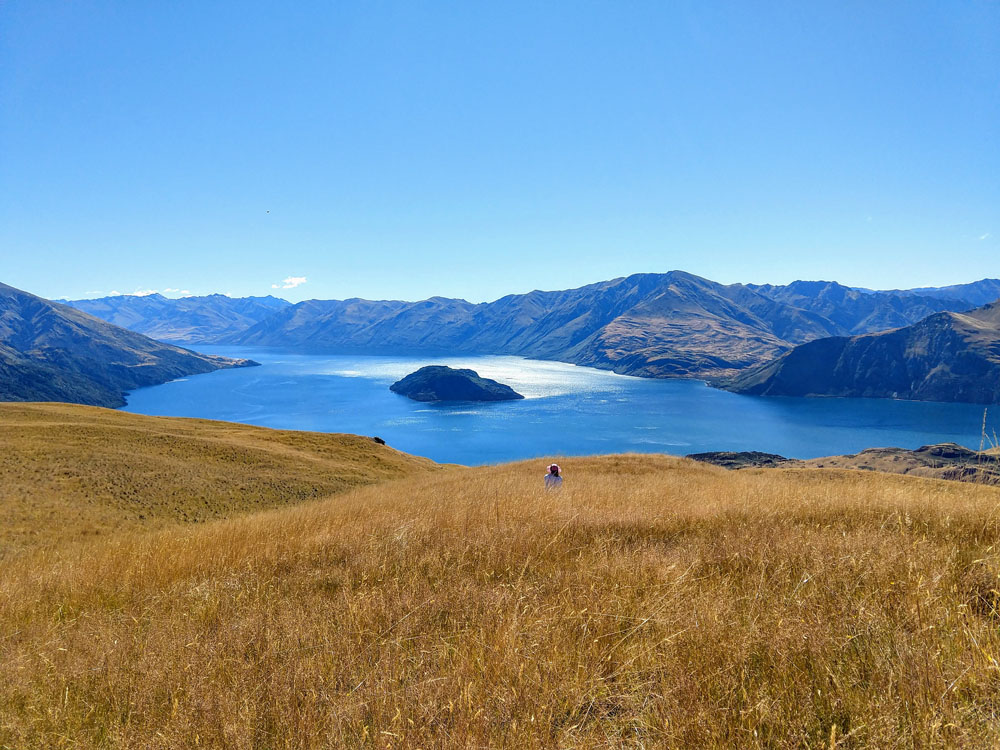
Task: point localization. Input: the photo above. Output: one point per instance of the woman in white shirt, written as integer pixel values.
(553, 480)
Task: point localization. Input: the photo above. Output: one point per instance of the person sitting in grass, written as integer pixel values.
(553, 480)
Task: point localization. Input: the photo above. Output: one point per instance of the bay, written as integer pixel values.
(568, 410)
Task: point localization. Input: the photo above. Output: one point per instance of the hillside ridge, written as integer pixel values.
(947, 356)
(93, 471)
(53, 352)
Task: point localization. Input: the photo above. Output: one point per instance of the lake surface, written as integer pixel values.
(568, 410)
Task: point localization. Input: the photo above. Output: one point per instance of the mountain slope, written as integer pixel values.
(664, 325)
(188, 319)
(52, 352)
(977, 293)
(945, 357)
(71, 472)
(693, 327)
(856, 311)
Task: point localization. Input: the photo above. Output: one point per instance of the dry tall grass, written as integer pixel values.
(71, 472)
(653, 602)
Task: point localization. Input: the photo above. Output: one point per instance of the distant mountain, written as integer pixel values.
(978, 293)
(687, 326)
(195, 320)
(858, 311)
(661, 325)
(53, 352)
(657, 325)
(945, 357)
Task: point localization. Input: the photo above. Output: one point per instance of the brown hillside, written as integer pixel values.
(652, 603)
(71, 472)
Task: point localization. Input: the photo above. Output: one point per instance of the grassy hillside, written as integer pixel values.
(653, 602)
(71, 472)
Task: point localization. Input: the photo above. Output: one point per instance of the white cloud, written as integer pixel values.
(984, 236)
(136, 293)
(290, 283)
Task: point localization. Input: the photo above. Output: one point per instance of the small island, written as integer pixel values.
(439, 383)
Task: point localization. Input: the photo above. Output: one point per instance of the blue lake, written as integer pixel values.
(568, 410)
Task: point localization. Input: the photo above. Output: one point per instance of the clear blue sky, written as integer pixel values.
(474, 149)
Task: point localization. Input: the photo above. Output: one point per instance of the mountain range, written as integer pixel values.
(673, 324)
(53, 352)
(978, 292)
(190, 320)
(947, 356)
(854, 311)
(803, 337)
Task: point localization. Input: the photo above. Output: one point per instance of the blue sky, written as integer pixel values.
(473, 149)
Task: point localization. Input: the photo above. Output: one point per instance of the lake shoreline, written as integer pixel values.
(568, 410)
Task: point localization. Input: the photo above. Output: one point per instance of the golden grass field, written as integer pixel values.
(652, 603)
(71, 472)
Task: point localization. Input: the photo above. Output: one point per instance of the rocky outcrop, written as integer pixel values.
(945, 357)
(741, 459)
(438, 383)
(52, 352)
(939, 461)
